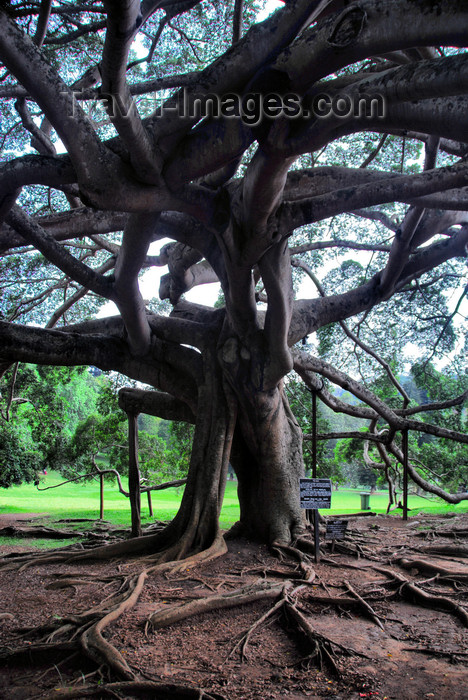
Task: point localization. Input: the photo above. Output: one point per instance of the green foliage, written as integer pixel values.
(67, 419)
(102, 440)
(355, 473)
(31, 407)
(98, 438)
(443, 459)
(44, 405)
(19, 461)
(165, 458)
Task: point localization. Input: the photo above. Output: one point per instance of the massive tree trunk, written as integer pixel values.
(267, 446)
(267, 458)
(196, 525)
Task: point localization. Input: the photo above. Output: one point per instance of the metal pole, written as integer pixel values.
(405, 473)
(314, 434)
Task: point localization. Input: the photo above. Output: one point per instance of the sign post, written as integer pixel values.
(314, 495)
(336, 530)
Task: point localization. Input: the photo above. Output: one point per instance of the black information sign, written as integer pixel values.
(336, 529)
(315, 493)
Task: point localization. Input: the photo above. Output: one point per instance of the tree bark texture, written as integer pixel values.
(134, 474)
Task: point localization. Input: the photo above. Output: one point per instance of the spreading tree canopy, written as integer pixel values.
(326, 143)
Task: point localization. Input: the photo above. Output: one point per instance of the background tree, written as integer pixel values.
(41, 405)
(367, 203)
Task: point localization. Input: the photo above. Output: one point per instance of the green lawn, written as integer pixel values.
(80, 500)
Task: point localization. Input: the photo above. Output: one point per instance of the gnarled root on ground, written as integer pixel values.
(427, 566)
(95, 646)
(324, 650)
(82, 634)
(447, 550)
(415, 594)
(365, 607)
(154, 546)
(134, 689)
(241, 596)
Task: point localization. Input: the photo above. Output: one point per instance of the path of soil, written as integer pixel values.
(421, 652)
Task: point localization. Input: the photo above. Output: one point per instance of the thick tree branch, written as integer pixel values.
(154, 403)
(123, 19)
(400, 188)
(25, 61)
(275, 269)
(84, 275)
(126, 292)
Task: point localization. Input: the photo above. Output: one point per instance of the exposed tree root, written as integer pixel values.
(241, 596)
(413, 593)
(42, 532)
(447, 550)
(217, 549)
(36, 651)
(6, 616)
(305, 545)
(130, 689)
(82, 634)
(243, 642)
(289, 550)
(83, 520)
(462, 533)
(324, 650)
(137, 546)
(76, 579)
(367, 609)
(98, 648)
(341, 564)
(422, 565)
(452, 655)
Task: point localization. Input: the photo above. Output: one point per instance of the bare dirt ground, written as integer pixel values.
(371, 634)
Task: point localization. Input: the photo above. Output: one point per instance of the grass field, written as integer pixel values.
(80, 500)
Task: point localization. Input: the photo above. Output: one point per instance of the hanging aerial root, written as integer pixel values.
(415, 594)
(131, 689)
